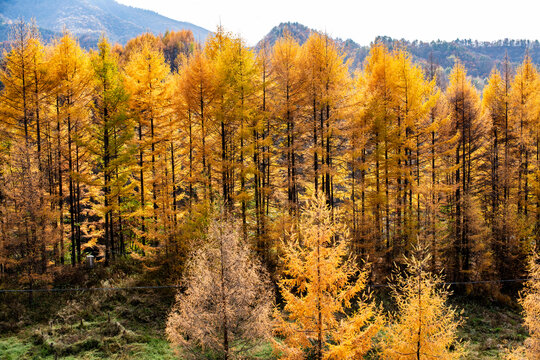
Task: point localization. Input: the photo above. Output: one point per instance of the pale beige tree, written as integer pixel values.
(225, 306)
(530, 300)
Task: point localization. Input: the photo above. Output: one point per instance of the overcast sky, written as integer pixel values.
(362, 20)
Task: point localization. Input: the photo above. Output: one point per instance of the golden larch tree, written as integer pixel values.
(288, 83)
(71, 73)
(470, 251)
(147, 81)
(424, 327)
(319, 285)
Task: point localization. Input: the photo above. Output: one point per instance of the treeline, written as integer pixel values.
(479, 57)
(123, 151)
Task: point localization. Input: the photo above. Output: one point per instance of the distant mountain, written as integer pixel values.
(88, 19)
(478, 57)
(354, 52)
(296, 30)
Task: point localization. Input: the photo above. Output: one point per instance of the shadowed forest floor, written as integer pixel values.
(489, 329)
(130, 324)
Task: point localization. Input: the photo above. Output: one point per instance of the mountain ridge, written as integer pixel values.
(89, 19)
(479, 57)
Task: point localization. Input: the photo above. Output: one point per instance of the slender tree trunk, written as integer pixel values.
(377, 191)
(224, 302)
(190, 163)
(319, 300)
(328, 182)
(38, 122)
(121, 246)
(78, 203)
(363, 201)
(315, 150)
(290, 155)
(206, 172)
(106, 186)
(224, 166)
(141, 181)
(60, 182)
(387, 193)
(434, 199)
(71, 194)
(154, 182)
(242, 168)
(399, 195)
(417, 163)
(257, 186)
(418, 343)
(173, 174)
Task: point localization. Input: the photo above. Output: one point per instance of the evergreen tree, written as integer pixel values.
(110, 146)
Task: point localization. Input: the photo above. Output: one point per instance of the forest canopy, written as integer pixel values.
(127, 152)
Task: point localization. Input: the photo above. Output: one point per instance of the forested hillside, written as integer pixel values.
(294, 205)
(89, 19)
(480, 57)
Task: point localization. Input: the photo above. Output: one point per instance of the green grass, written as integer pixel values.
(88, 325)
(264, 351)
(490, 329)
(13, 348)
(487, 331)
(154, 349)
(130, 325)
(26, 345)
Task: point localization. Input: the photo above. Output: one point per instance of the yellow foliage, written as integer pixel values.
(318, 286)
(424, 327)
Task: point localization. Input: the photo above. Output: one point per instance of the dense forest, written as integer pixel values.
(274, 176)
(479, 57)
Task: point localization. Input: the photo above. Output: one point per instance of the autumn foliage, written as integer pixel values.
(318, 286)
(425, 326)
(123, 152)
(225, 303)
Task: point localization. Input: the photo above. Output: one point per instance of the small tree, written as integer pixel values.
(226, 307)
(425, 326)
(530, 300)
(318, 287)
(27, 225)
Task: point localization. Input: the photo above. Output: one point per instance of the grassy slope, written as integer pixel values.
(490, 329)
(130, 325)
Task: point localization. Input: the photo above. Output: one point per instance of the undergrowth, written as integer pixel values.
(130, 324)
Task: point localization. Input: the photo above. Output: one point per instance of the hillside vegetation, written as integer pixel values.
(89, 19)
(479, 57)
(224, 202)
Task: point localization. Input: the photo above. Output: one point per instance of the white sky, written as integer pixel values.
(362, 20)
